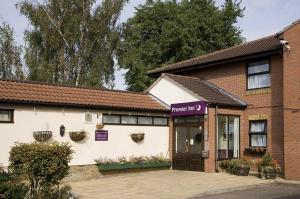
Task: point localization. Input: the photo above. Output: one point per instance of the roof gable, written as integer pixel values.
(207, 91)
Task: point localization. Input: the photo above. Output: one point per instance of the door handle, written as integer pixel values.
(187, 144)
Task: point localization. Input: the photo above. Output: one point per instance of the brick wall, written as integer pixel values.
(267, 102)
(291, 101)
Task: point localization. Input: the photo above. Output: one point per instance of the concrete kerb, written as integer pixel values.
(228, 190)
(282, 180)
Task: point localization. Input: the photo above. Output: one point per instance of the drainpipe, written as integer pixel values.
(216, 138)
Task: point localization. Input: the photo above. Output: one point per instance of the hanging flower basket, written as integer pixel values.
(42, 136)
(137, 137)
(77, 136)
(99, 126)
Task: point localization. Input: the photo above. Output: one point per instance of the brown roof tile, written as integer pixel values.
(40, 93)
(210, 92)
(266, 44)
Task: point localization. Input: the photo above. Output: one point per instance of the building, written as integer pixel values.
(28, 107)
(198, 112)
(264, 76)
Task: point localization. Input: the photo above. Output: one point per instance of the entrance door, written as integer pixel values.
(188, 148)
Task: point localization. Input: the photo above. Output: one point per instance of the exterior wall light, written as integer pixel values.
(62, 130)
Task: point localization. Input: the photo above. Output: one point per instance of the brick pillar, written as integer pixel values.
(171, 151)
(209, 125)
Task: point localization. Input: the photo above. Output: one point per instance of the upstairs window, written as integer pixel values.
(258, 75)
(258, 133)
(6, 116)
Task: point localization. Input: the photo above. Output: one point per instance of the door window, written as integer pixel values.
(228, 136)
(181, 139)
(196, 140)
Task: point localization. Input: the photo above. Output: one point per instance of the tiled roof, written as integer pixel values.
(40, 93)
(208, 91)
(267, 44)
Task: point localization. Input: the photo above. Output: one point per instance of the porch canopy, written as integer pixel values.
(174, 89)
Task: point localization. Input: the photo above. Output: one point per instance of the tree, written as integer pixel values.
(72, 41)
(10, 55)
(165, 32)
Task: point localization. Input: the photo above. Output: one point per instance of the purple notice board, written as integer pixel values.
(101, 135)
(189, 108)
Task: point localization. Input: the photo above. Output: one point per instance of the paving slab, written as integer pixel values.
(165, 184)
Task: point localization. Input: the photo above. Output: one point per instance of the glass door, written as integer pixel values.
(188, 145)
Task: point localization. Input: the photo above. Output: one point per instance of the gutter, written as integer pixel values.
(217, 62)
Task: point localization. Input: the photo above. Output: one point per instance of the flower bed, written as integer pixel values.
(110, 167)
(132, 163)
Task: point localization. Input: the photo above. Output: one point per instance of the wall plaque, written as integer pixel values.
(101, 135)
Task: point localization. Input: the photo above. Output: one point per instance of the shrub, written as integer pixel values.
(43, 165)
(18, 191)
(63, 192)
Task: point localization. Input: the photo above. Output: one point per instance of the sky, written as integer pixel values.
(261, 18)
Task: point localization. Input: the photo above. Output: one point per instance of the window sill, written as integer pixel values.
(258, 91)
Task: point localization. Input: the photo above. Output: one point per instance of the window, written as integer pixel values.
(258, 75)
(6, 116)
(258, 133)
(143, 120)
(188, 119)
(228, 136)
(128, 119)
(135, 120)
(111, 119)
(160, 121)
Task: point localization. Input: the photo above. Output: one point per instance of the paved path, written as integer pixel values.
(269, 191)
(165, 184)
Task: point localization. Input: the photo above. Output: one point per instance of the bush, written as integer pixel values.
(43, 165)
(63, 192)
(12, 191)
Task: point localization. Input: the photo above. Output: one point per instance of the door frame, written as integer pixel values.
(188, 155)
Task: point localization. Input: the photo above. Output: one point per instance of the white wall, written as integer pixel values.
(27, 120)
(170, 93)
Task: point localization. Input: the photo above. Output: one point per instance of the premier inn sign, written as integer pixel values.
(189, 108)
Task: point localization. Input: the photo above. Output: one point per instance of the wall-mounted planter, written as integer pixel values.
(137, 137)
(256, 150)
(99, 126)
(42, 136)
(77, 136)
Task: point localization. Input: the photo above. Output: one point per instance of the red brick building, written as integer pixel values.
(264, 76)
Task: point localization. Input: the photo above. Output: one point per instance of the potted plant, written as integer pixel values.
(268, 168)
(137, 137)
(238, 167)
(77, 136)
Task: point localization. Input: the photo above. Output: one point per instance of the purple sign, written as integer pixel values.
(189, 108)
(101, 135)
